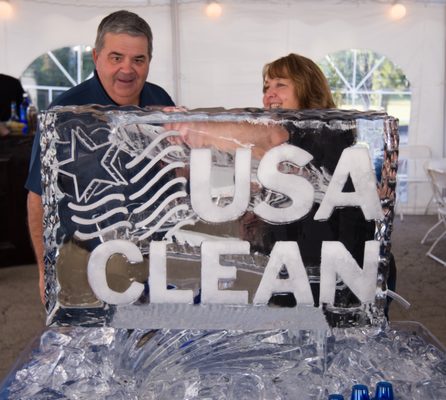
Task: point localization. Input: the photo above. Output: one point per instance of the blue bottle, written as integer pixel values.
(384, 391)
(14, 116)
(24, 112)
(360, 392)
(24, 108)
(336, 397)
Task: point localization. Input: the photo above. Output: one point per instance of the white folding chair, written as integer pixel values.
(437, 174)
(410, 170)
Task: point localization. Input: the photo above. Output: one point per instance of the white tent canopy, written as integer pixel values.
(206, 62)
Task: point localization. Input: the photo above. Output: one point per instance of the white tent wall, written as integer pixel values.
(219, 62)
(37, 27)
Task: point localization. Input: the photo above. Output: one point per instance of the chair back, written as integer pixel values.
(436, 170)
(414, 152)
(411, 159)
(437, 175)
(411, 174)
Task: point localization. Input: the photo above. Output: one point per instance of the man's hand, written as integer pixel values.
(42, 286)
(35, 225)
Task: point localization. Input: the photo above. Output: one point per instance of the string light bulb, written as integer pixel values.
(214, 9)
(397, 11)
(5, 9)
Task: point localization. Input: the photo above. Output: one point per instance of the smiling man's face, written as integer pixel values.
(122, 66)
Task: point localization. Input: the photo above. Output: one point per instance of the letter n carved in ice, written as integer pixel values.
(336, 260)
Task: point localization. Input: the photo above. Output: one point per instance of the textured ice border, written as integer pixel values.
(218, 316)
(122, 364)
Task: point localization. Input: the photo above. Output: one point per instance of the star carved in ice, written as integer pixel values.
(92, 174)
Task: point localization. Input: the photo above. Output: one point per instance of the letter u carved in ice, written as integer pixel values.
(200, 186)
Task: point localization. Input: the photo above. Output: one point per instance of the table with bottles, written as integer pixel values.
(23, 120)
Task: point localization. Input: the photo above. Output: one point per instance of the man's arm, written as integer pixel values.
(35, 224)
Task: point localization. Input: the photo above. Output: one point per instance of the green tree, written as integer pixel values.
(359, 77)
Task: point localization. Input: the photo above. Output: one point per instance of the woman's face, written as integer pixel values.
(279, 93)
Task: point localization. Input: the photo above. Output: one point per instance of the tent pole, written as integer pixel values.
(176, 59)
(444, 87)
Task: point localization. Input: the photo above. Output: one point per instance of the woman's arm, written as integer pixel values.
(228, 136)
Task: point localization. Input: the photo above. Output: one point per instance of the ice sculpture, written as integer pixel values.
(142, 231)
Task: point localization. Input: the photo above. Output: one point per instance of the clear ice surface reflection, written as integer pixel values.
(107, 363)
(117, 174)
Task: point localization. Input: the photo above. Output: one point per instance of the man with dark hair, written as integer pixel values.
(122, 57)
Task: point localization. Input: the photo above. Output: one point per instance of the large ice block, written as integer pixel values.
(145, 230)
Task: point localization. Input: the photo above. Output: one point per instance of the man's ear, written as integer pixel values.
(95, 56)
